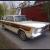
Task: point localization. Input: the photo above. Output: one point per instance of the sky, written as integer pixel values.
(16, 2)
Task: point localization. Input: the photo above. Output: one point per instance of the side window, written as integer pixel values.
(3, 18)
(9, 18)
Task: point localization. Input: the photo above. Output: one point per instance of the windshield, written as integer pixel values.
(20, 18)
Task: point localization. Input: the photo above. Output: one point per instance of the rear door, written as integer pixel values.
(10, 24)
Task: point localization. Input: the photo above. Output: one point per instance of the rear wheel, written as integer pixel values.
(22, 35)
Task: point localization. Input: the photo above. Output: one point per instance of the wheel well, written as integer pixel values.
(21, 34)
(21, 30)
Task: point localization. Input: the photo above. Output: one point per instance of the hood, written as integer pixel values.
(35, 24)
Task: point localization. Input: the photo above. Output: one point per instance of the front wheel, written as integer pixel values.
(22, 35)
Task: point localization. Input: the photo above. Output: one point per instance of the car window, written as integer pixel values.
(20, 18)
(3, 18)
(9, 18)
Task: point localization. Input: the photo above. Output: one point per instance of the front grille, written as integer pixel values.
(45, 28)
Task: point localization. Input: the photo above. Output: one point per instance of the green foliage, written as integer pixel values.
(1, 10)
(13, 11)
(47, 9)
(5, 8)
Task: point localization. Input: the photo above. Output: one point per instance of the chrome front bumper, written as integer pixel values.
(36, 35)
(44, 29)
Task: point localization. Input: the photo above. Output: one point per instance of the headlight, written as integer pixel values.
(39, 30)
(36, 30)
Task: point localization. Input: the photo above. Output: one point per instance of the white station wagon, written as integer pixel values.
(23, 27)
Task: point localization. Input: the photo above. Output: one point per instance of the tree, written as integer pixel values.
(5, 8)
(47, 9)
(12, 8)
(1, 10)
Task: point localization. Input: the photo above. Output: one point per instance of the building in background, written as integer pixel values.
(35, 12)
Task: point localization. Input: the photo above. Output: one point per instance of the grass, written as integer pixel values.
(6, 43)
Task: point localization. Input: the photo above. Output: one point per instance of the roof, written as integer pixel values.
(15, 15)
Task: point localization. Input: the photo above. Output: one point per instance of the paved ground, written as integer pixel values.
(38, 43)
(5, 43)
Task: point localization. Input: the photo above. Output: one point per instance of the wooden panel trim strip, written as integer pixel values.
(17, 25)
